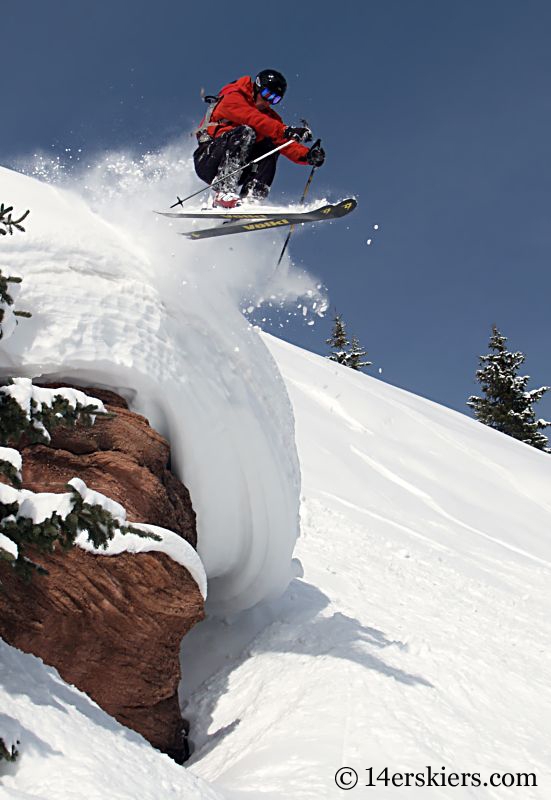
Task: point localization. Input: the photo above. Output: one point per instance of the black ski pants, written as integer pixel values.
(218, 157)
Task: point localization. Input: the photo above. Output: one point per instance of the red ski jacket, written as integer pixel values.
(237, 107)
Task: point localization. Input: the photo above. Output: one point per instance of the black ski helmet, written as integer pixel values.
(271, 79)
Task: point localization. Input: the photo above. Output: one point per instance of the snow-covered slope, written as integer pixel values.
(118, 300)
(420, 633)
(70, 748)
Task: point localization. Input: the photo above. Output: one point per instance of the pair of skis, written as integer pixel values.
(253, 220)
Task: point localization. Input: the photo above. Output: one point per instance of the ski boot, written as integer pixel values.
(226, 200)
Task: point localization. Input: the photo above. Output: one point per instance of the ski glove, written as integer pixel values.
(316, 156)
(302, 135)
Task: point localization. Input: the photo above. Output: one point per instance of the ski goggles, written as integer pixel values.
(272, 97)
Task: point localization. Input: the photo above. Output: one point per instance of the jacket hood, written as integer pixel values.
(244, 84)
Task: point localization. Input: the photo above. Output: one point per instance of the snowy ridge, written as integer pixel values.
(126, 305)
(436, 473)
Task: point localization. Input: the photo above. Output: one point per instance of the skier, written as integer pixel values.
(241, 125)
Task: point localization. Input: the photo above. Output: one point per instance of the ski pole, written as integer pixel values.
(180, 202)
(305, 192)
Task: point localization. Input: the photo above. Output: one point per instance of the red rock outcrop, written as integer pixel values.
(122, 457)
(111, 625)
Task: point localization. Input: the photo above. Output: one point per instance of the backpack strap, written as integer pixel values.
(202, 131)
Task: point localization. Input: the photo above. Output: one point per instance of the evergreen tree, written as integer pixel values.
(344, 352)
(338, 341)
(355, 355)
(506, 405)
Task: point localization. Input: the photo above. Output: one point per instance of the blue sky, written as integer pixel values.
(436, 114)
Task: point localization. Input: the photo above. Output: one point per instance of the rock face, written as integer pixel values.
(111, 625)
(122, 457)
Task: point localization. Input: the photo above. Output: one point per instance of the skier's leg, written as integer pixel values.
(256, 180)
(225, 154)
(207, 159)
(238, 144)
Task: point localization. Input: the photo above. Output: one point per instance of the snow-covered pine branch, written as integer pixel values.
(8, 752)
(7, 314)
(356, 354)
(10, 465)
(43, 519)
(31, 412)
(10, 735)
(8, 223)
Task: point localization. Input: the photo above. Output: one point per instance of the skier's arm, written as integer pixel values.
(295, 152)
(235, 109)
